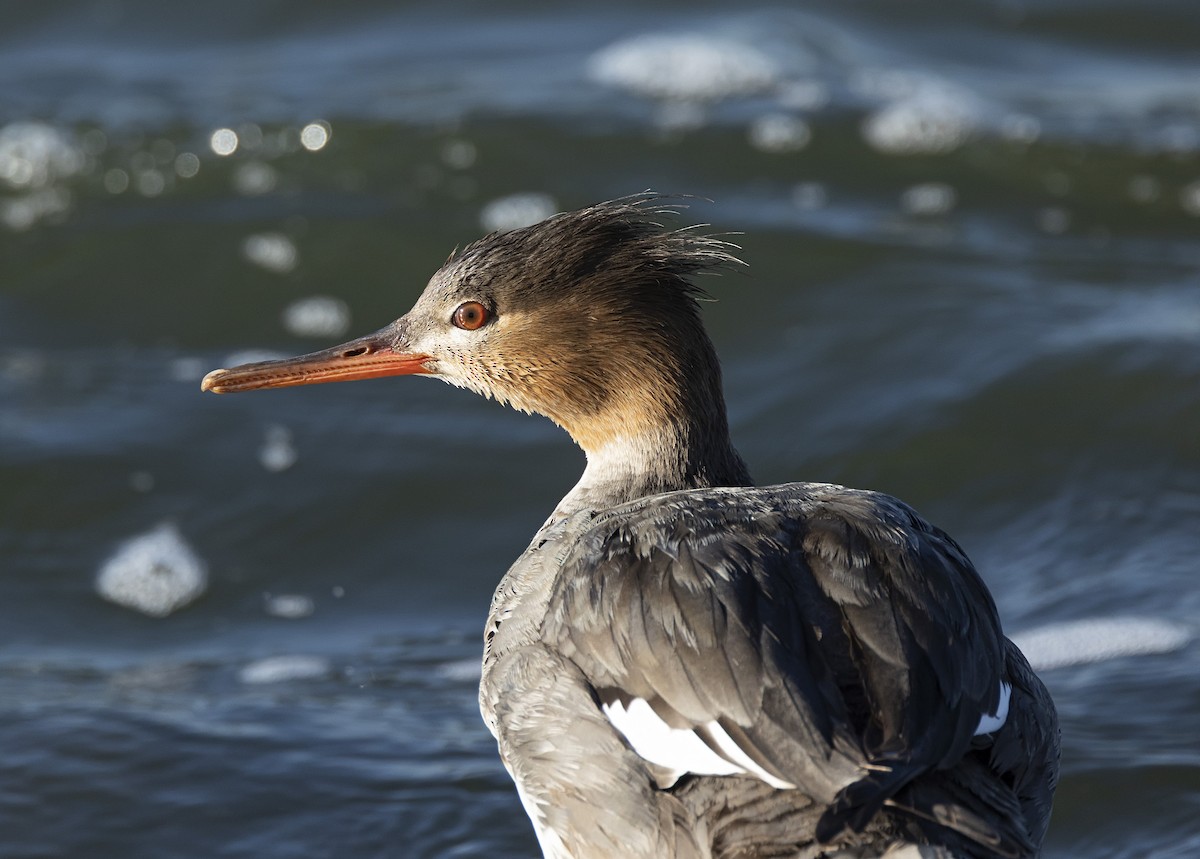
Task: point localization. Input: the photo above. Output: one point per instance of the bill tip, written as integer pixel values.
(209, 382)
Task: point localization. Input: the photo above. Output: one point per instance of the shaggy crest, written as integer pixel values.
(621, 243)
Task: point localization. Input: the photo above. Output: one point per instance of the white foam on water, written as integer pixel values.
(779, 133)
(318, 316)
(278, 452)
(288, 606)
(284, 669)
(683, 67)
(465, 670)
(34, 155)
(1081, 642)
(155, 573)
(921, 114)
(271, 251)
(516, 211)
(928, 198)
(918, 126)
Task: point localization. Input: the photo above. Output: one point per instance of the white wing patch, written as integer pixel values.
(732, 750)
(682, 751)
(991, 722)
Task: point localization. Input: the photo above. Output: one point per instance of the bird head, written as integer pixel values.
(589, 318)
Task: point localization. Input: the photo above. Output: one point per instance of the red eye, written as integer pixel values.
(470, 315)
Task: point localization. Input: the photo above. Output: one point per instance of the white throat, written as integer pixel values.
(625, 468)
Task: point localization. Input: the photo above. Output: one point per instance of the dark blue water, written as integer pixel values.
(973, 236)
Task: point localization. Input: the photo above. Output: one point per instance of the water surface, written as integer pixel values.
(973, 282)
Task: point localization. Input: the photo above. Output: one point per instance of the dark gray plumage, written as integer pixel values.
(849, 646)
(681, 665)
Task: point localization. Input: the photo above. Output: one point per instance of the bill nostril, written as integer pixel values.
(354, 353)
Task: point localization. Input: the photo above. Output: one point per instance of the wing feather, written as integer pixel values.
(843, 644)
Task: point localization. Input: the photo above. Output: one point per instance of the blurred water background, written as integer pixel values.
(973, 236)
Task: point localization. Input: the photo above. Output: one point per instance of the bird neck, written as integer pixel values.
(669, 432)
(628, 467)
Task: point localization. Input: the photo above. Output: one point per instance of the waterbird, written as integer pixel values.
(683, 664)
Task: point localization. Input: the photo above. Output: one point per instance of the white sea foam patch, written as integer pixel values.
(272, 251)
(1100, 639)
(683, 67)
(317, 316)
(34, 159)
(779, 133)
(924, 125)
(155, 573)
(284, 669)
(34, 154)
(920, 115)
(464, 670)
(516, 211)
(278, 451)
(288, 606)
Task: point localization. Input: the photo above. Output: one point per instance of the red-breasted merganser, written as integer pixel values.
(682, 664)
